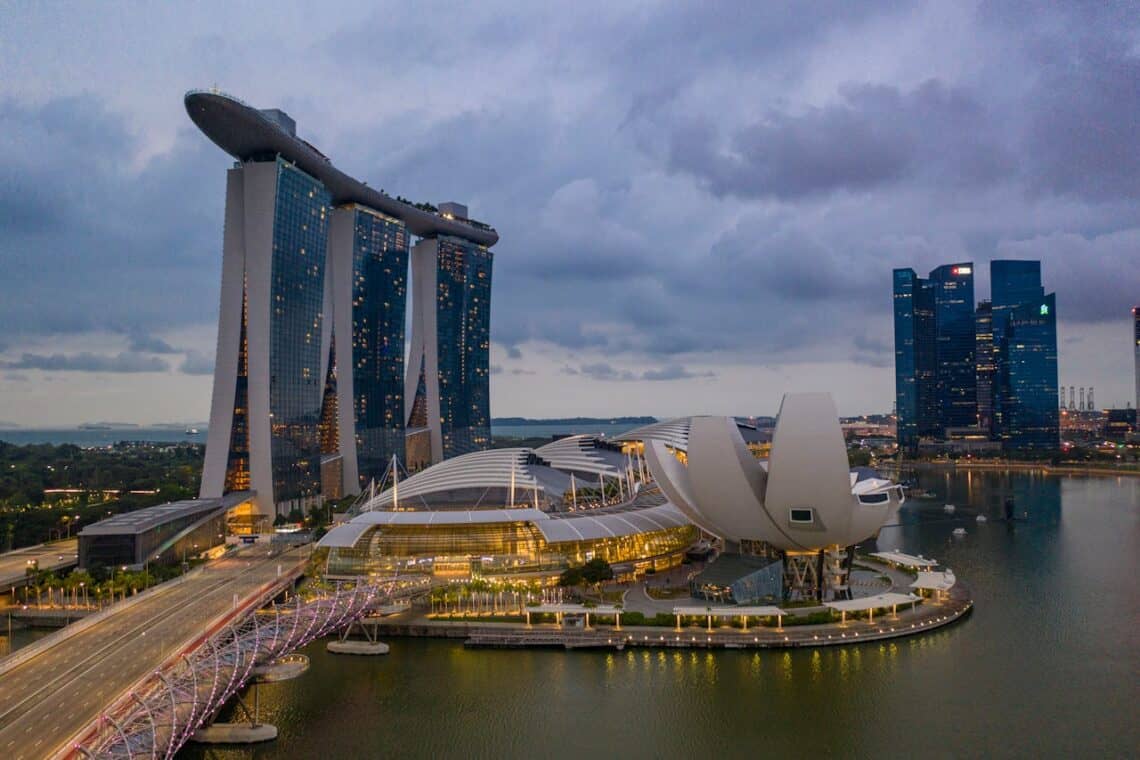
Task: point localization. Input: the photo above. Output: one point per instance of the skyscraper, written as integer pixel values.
(1012, 283)
(984, 361)
(1136, 349)
(310, 352)
(955, 370)
(1027, 374)
(449, 361)
(914, 358)
(935, 373)
(368, 252)
(269, 370)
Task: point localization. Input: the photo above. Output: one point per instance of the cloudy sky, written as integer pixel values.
(700, 204)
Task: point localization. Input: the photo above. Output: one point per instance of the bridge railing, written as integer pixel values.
(162, 714)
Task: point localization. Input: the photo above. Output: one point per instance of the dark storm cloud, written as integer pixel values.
(673, 372)
(606, 372)
(670, 182)
(873, 351)
(150, 344)
(197, 363)
(132, 250)
(1084, 129)
(872, 135)
(88, 362)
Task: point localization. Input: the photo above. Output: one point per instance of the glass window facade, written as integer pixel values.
(1012, 283)
(463, 324)
(984, 356)
(379, 296)
(955, 372)
(237, 462)
(1028, 372)
(495, 549)
(915, 398)
(1136, 344)
(296, 386)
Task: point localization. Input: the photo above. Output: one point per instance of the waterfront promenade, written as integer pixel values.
(713, 633)
(925, 617)
(58, 688)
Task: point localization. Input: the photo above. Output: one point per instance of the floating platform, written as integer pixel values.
(358, 647)
(234, 733)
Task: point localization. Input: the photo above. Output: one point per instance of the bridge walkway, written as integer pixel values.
(46, 699)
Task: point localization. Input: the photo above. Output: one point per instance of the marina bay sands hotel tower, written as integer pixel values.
(312, 398)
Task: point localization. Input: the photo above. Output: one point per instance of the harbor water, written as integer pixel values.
(1046, 666)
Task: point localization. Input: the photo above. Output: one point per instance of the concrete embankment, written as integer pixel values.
(1045, 469)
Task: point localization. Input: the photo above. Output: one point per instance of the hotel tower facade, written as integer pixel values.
(310, 398)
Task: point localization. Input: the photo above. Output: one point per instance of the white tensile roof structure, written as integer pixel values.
(917, 562)
(480, 485)
(674, 433)
(878, 601)
(929, 581)
(611, 522)
(581, 453)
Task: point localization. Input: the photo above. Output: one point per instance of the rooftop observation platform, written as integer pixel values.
(247, 133)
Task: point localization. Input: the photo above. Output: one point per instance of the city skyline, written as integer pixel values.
(654, 258)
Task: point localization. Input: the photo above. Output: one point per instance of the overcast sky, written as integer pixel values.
(700, 204)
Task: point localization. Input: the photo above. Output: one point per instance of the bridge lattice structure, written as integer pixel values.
(172, 703)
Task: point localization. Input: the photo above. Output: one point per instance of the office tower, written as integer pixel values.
(368, 252)
(269, 371)
(1136, 357)
(955, 370)
(1027, 374)
(1012, 283)
(935, 372)
(915, 398)
(309, 376)
(984, 361)
(449, 361)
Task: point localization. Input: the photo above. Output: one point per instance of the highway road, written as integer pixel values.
(14, 564)
(46, 701)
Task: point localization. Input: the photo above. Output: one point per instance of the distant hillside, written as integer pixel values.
(518, 421)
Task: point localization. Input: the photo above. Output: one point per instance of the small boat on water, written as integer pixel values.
(982, 518)
(948, 509)
(959, 532)
(920, 493)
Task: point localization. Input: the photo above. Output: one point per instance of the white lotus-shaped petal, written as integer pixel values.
(803, 502)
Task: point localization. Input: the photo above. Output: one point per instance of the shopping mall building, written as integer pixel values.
(517, 512)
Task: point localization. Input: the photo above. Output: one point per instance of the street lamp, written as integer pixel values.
(146, 568)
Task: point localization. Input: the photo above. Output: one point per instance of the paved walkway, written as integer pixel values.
(637, 599)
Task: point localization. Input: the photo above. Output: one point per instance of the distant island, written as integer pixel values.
(520, 421)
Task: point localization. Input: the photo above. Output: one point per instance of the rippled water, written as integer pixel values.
(1046, 666)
